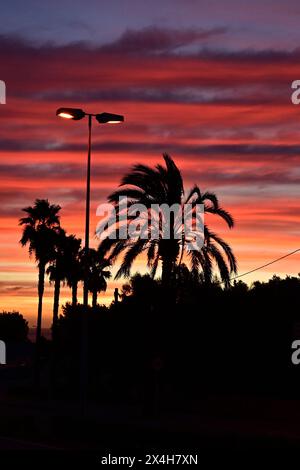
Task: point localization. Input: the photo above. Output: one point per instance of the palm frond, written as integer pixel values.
(126, 192)
(195, 191)
(226, 248)
(210, 197)
(130, 255)
(225, 215)
(222, 266)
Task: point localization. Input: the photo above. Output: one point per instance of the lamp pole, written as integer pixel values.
(87, 207)
(76, 114)
(84, 374)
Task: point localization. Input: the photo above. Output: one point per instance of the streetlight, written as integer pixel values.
(76, 114)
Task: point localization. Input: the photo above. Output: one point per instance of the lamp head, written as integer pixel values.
(109, 118)
(70, 113)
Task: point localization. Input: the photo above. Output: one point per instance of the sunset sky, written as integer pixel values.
(209, 82)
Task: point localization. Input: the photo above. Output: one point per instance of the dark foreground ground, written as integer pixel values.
(217, 427)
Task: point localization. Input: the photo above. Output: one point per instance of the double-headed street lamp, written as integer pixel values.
(103, 118)
(76, 114)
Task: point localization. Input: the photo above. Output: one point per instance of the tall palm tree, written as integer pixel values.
(74, 266)
(164, 185)
(65, 267)
(41, 225)
(57, 272)
(98, 275)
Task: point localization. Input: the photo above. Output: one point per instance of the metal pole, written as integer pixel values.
(84, 333)
(87, 208)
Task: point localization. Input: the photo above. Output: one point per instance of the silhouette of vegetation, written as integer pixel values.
(211, 340)
(13, 326)
(97, 274)
(74, 271)
(164, 185)
(56, 271)
(65, 267)
(41, 226)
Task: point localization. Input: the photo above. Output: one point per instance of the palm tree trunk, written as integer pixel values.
(55, 307)
(54, 357)
(95, 294)
(74, 293)
(41, 284)
(40, 305)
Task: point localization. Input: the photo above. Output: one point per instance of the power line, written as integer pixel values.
(265, 265)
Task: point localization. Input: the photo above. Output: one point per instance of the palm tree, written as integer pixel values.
(164, 185)
(74, 267)
(66, 266)
(41, 225)
(98, 274)
(57, 272)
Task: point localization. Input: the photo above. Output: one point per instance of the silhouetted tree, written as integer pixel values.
(164, 185)
(13, 326)
(57, 272)
(66, 266)
(97, 274)
(41, 225)
(74, 266)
